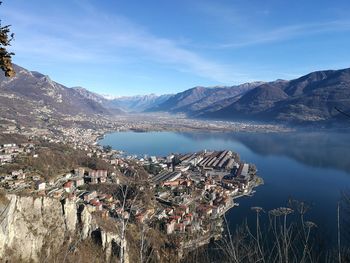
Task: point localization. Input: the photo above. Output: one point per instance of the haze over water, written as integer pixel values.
(311, 167)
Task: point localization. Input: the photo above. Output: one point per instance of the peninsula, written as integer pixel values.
(105, 195)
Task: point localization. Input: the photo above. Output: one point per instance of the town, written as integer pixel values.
(181, 195)
(190, 191)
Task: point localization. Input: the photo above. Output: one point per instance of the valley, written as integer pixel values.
(309, 101)
(54, 149)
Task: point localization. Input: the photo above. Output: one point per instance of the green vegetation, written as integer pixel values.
(6, 57)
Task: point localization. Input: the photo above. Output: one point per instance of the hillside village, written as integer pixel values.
(181, 195)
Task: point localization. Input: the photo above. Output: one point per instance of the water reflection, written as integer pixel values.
(311, 167)
(324, 150)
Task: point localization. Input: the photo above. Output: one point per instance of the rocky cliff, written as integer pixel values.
(32, 226)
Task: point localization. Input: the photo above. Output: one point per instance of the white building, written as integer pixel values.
(40, 185)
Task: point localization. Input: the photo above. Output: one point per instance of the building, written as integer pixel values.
(170, 158)
(182, 168)
(204, 210)
(39, 185)
(180, 227)
(242, 174)
(97, 204)
(98, 173)
(89, 196)
(96, 176)
(19, 175)
(153, 159)
(166, 177)
(6, 158)
(78, 181)
(170, 226)
(68, 186)
(103, 179)
(8, 145)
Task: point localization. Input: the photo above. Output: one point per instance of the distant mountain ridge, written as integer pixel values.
(312, 98)
(199, 98)
(90, 95)
(137, 103)
(309, 99)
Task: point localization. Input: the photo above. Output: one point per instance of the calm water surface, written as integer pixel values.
(311, 167)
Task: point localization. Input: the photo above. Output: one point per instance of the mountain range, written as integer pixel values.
(310, 98)
(31, 96)
(200, 98)
(313, 98)
(138, 103)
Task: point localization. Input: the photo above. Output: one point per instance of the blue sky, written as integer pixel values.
(132, 47)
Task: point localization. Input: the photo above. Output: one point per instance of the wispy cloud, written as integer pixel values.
(289, 32)
(167, 51)
(96, 37)
(250, 26)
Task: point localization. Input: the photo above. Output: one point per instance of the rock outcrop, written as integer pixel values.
(31, 225)
(28, 224)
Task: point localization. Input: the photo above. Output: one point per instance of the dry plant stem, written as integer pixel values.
(338, 226)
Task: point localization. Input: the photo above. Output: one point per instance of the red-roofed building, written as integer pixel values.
(96, 203)
(171, 183)
(180, 213)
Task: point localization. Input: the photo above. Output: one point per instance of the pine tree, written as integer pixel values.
(6, 57)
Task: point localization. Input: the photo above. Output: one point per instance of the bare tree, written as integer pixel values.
(123, 219)
(146, 248)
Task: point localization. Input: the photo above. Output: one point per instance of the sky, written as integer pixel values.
(129, 47)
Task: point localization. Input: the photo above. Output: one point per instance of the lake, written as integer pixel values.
(308, 166)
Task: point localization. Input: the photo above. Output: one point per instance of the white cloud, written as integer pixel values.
(97, 38)
(289, 32)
